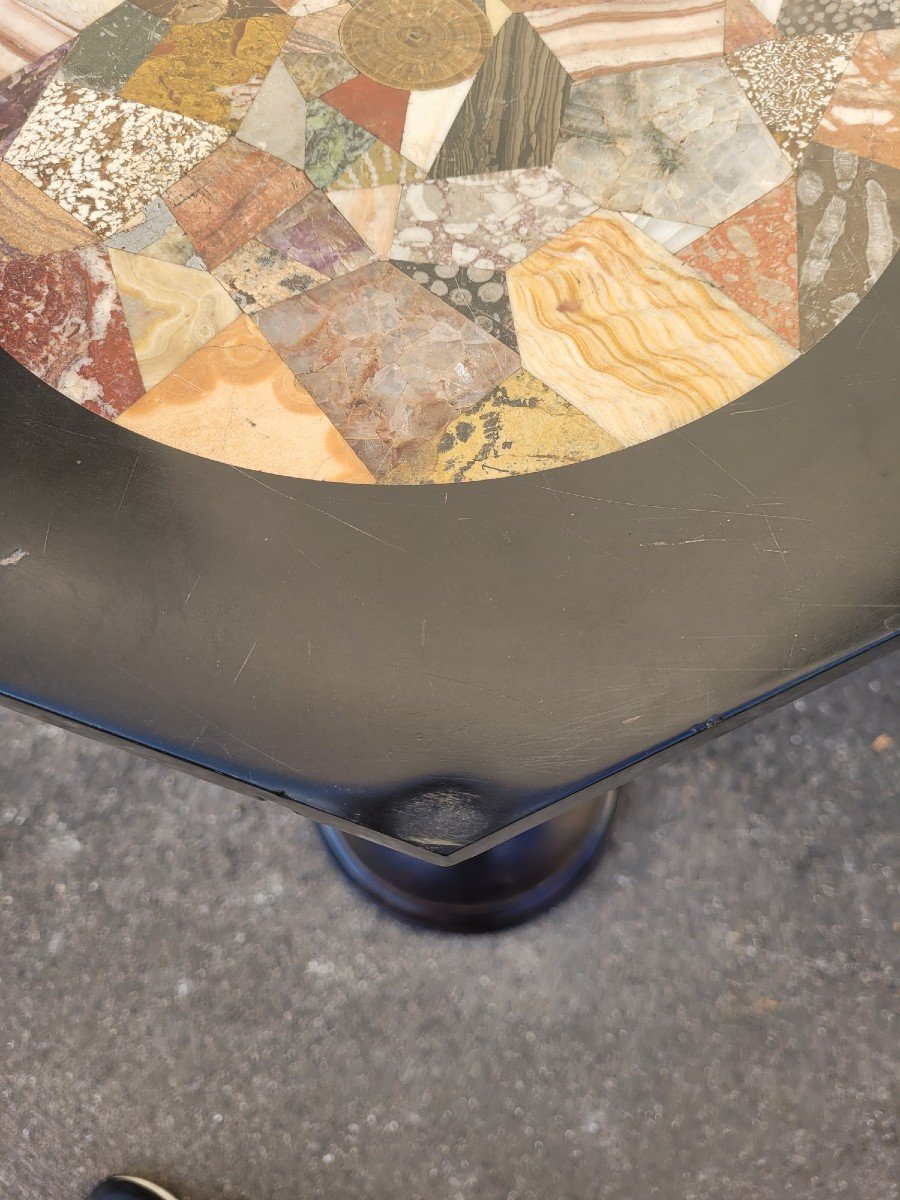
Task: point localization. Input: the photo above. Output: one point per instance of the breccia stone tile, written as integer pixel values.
(848, 230)
(314, 233)
(511, 116)
(231, 196)
(753, 258)
(61, 317)
(592, 38)
(171, 311)
(864, 113)
(156, 234)
(745, 25)
(376, 107)
(621, 329)
(372, 212)
(790, 83)
(388, 363)
(276, 120)
(211, 71)
(799, 18)
(108, 51)
(30, 222)
(235, 401)
(520, 426)
(478, 293)
(103, 158)
(258, 276)
(313, 55)
(679, 142)
(486, 221)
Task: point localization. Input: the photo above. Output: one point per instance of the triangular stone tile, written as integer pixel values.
(236, 401)
(20, 92)
(790, 82)
(478, 293)
(75, 337)
(752, 257)
(511, 116)
(333, 142)
(313, 53)
(497, 14)
(429, 116)
(156, 234)
(864, 114)
(171, 311)
(745, 25)
(770, 9)
(375, 106)
(276, 121)
(314, 232)
(31, 223)
(372, 212)
(258, 276)
(378, 166)
(521, 425)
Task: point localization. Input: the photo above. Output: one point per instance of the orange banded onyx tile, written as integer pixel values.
(235, 401)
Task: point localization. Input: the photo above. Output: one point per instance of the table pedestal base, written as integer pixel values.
(504, 886)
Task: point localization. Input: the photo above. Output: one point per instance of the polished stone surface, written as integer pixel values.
(274, 148)
(190, 989)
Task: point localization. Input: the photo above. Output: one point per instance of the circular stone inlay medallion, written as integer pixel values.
(415, 45)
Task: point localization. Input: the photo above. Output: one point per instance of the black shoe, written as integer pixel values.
(129, 1187)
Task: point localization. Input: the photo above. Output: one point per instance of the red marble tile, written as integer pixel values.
(753, 258)
(231, 196)
(62, 318)
(374, 106)
(745, 25)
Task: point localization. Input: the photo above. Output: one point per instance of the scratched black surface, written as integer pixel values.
(436, 665)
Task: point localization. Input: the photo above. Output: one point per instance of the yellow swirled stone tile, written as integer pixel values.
(521, 425)
(621, 329)
(235, 401)
(171, 310)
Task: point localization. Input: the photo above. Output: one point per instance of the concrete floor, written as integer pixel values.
(189, 989)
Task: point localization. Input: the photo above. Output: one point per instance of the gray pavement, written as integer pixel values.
(187, 988)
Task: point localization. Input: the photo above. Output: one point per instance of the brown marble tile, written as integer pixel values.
(848, 230)
(61, 317)
(235, 401)
(31, 223)
(388, 363)
(745, 25)
(313, 54)
(231, 196)
(753, 258)
(800, 18)
(864, 113)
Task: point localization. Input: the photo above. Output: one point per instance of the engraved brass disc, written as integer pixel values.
(415, 45)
